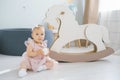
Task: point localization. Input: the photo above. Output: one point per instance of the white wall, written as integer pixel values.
(26, 13)
(23, 13)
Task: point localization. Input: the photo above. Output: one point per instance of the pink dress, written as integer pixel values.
(34, 62)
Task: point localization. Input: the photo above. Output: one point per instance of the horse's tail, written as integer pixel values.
(105, 32)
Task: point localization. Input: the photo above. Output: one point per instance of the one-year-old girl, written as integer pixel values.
(36, 57)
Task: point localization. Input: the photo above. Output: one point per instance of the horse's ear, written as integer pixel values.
(62, 13)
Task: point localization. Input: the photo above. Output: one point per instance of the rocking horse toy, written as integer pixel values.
(62, 18)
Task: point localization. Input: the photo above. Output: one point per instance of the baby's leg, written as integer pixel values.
(23, 70)
(41, 68)
(50, 63)
(42, 65)
(47, 65)
(24, 65)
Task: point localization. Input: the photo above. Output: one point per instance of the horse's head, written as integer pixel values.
(58, 13)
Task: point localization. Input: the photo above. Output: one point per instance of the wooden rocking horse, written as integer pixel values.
(61, 16)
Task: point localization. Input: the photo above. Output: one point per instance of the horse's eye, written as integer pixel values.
(62, 13)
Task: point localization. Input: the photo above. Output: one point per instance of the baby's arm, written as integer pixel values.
(44, 51)
(30, 51)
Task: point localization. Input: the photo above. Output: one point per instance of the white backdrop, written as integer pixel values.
(23, 13)
(26, 13)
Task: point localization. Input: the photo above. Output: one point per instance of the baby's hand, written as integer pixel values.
(44, 51)
(40, 51)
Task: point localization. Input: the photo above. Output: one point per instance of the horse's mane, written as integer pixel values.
(62, 10)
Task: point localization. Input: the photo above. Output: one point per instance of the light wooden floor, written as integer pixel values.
(105, 69)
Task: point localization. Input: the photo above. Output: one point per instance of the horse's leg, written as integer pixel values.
(98, 43)
(105, 36)
(58, 44)
(100, 46)
(95, 35)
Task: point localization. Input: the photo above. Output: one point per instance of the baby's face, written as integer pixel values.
(38, 35)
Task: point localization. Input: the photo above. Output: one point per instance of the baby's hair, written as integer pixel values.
(37, 27)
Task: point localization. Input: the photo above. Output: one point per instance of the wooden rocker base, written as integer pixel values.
(84, 57)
